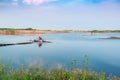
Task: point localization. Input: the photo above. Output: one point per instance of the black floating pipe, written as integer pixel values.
(20, 43)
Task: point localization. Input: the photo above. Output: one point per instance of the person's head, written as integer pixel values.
(39, 38)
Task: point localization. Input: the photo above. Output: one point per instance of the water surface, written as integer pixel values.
(104, 55)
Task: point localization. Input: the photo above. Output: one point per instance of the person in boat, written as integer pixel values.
(40, 39)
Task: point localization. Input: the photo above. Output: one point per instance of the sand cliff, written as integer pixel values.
(19, 32)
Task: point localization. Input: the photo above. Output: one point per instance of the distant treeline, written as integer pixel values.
(100, 31)
(16, 29)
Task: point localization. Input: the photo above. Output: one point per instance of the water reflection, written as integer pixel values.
(39, 44)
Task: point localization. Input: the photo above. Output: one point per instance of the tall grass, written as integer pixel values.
(34, 73)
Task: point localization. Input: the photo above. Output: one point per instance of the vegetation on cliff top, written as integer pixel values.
(100, 31)
(16, 29)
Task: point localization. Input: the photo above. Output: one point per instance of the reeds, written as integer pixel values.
(32, 73)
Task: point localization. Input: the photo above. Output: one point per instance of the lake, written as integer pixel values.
(103, 54)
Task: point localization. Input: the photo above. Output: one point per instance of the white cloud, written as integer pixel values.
(37, 2)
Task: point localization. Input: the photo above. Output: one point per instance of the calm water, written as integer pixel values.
(104, 55)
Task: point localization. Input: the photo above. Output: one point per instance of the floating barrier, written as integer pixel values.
(20, 43)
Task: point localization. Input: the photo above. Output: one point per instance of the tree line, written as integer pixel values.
(16, 29)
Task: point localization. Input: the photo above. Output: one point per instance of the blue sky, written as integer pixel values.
(60, 14)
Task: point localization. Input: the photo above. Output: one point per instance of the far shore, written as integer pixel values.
(20, 32)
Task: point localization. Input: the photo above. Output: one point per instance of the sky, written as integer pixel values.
(60, 14)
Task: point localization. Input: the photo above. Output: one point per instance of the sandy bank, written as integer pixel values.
(19, 32)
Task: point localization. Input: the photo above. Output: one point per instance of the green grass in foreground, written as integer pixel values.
(7, 73)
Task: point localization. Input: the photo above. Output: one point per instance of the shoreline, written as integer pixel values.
(20, 32)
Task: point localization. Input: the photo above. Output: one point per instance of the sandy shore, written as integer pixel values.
(19, 32)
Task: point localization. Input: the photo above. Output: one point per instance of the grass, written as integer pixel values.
(34, 73)
(103, 31)
(16, 29)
